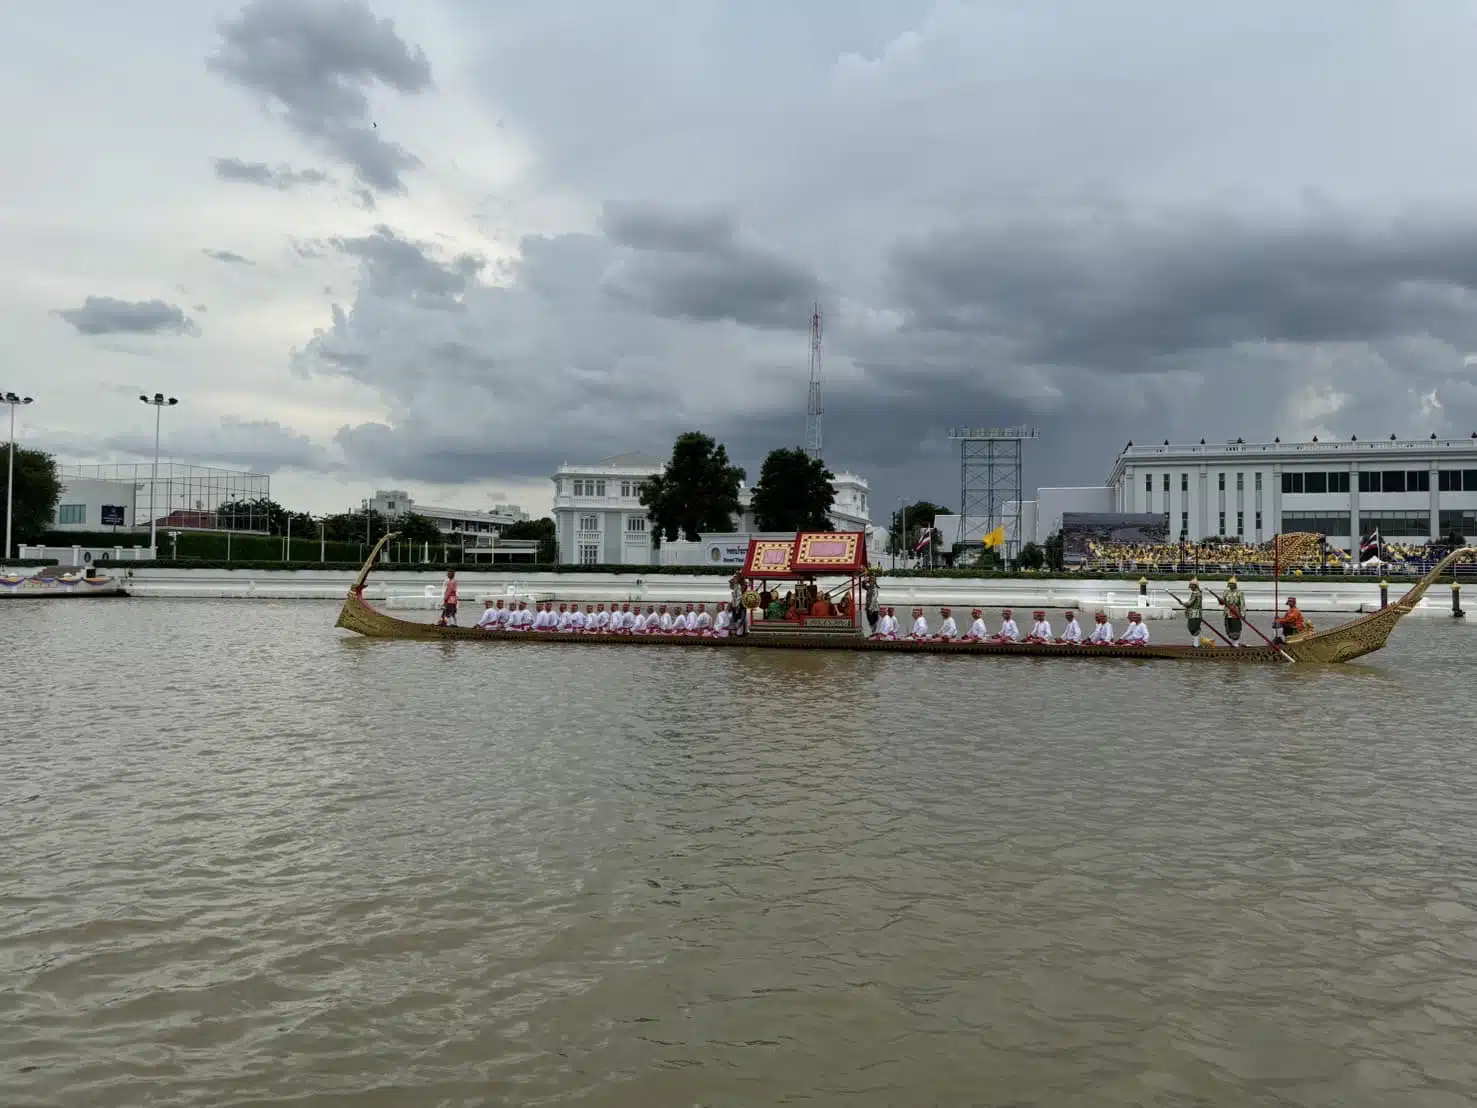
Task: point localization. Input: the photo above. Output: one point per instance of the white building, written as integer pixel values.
(392, 503)
(96, 504)
(1410, 490)
(599, 519)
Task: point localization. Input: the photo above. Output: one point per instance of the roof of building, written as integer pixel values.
(631, 458)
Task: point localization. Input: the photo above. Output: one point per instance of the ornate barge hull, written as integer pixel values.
(1338, 644)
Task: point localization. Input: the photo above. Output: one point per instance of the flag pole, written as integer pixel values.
(1276, 573)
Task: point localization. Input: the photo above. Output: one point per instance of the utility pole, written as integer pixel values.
(160, 402)
(15, 402)
(813, 406)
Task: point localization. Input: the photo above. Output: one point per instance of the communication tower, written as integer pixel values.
(813, 408)
(990, 482)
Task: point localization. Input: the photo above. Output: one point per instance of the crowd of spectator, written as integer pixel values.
(1241, 557)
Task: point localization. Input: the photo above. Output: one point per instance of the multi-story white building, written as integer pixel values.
(392, 503)
(599, 519)
(1410, 490)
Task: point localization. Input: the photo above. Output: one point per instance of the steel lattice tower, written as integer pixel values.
(990, 481)
(813, 407)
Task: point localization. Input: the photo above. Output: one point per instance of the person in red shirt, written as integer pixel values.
(448, 600)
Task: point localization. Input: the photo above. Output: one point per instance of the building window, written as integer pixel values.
(1240, 482)
(1369, 480)
(1315, 482)
(1223, 522)
(599, 488)
(1449, 480)
(1392, 480)
(626, 489)
(1292, 483)
(1418, 480)
(71, 513)
(1184, 526)
(1338, 481)
(1220, 482)
(1258, 481)
(589, 523)
(1459, 521)
(1149, 483)
(589, 554)
(1316, 523)
(1166, 484)
(1240, 525)
(1394, 524)
(636, 523)
(579, 488)
(1184, 482)
(1259, 523)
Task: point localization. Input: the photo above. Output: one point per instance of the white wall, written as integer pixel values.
(91, 494)
(1052, 502)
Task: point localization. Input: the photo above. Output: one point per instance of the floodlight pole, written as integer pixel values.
(15, 402)
(159, 402)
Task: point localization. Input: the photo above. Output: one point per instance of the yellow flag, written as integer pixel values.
(995, 537)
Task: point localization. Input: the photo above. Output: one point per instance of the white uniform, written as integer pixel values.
(1137, 633)
(1072, 632)
(723, 622)
(1009, 631)
(704, 622)
(1041, 629)
(579, 621)
(602, 620)
(638, 626)
(948, 629)
(664, 623)
(488, 618)
(920, 628)
(887, 627)
(1102, 633)
(563, 622)
(978, 630)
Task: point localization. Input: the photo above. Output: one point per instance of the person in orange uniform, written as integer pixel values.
(1291, 621)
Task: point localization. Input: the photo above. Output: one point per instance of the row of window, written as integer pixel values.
(71, 513)
(1382, 480)
(1240, 531)
(1388, 523)
(1459, 521)
(633, 523)
(593, 487)
(1220, 480)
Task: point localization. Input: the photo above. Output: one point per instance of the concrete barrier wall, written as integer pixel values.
(417, 591)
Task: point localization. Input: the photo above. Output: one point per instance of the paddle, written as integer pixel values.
(1203, 621)
(1248, 623)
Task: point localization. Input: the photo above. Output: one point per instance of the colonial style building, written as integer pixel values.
(599, 519)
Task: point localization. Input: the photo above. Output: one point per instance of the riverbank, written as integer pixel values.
(411, 590)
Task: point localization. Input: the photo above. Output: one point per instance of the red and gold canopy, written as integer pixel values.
(810, 552)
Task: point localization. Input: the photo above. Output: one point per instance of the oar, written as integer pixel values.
(1242, 617)
(1203, 621)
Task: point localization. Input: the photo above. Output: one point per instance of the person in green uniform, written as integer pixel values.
(1193, 612)
(1235, 604)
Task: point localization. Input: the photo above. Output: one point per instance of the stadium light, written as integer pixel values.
(15, 402)
(159, 402)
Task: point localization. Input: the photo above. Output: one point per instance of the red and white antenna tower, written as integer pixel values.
(813, 407)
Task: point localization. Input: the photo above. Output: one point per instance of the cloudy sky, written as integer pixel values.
(448, 244)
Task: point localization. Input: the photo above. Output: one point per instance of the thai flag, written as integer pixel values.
(922, 544)
(1370, 546)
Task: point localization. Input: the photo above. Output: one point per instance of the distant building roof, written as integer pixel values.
(631, 458)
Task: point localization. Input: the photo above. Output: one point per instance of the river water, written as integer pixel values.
(248, 860)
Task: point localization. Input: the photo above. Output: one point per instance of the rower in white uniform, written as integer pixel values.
(1102, 634)
(948, 629)
(887, 625)
(1009, 632)
(723, 621)
(920, 625)
(978, 632)
(1041, 629)
(1137, 633)
(702, 622)
(488, 619)
(1071, 631)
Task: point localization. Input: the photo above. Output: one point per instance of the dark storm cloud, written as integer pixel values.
(261, 445)
(313, 61)
(690, 264)
(229, 257)
(105, 315)
(398, 269)
(282, 177)
(1126, 294)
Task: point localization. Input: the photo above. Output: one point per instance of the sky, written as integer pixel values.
(448, 245)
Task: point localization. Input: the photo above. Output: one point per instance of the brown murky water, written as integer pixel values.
(245, 860)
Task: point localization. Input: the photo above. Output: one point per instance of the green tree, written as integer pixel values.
(540, 529)
(416, 528)
(37, 491)
(1031, 557)
(1055, 550)
(917, 516)
(696, 492)
(794, 493)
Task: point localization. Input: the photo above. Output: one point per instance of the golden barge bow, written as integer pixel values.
(1343, 643)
